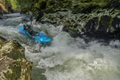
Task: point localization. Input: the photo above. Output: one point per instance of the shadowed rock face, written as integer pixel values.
(113, 4)
(104, 27)
(13, 64)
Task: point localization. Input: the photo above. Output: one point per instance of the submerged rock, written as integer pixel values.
(13, 64)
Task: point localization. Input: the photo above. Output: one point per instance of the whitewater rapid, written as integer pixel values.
(66, 58)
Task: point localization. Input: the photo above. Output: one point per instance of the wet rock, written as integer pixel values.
(89, 9)
(40, 15)
(10, 10)
(71, 27)
(113, 4)
(116, 27)
(116, 22)
(13, 64)
(104, 23)
(104, 27)
(91, 25)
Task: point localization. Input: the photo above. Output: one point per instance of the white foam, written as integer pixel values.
(71, 59)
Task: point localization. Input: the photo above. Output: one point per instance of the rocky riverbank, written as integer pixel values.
(13, 64)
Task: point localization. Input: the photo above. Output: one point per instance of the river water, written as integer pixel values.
(66, 58)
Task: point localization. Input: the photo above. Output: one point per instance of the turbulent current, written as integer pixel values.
(66, 58)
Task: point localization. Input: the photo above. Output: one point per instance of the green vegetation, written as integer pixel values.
(17, 5)
(15, 54)
(16, 71)
(53, 5)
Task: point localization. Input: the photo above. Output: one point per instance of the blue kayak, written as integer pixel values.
(41, 38)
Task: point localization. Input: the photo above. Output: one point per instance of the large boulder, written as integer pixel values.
(13, 64)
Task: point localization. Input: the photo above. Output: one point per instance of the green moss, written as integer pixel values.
(38, 3)
(67, 4)
(14, 4)
(15, 54)
(16, 71)
(55, 4)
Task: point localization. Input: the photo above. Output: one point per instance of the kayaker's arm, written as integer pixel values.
(27, 33)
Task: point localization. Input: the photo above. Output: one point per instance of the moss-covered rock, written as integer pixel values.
(13, 64)
(104, 27)
(79, 17)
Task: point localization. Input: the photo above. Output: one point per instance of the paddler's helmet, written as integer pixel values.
(28, 25)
